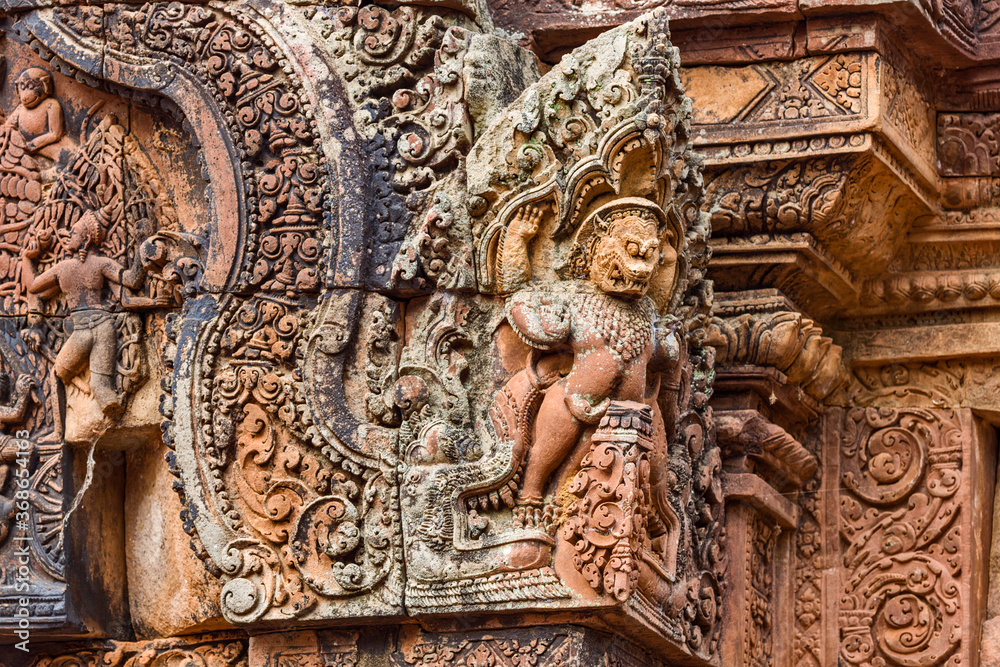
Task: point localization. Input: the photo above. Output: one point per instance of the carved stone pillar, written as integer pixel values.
(770, 480)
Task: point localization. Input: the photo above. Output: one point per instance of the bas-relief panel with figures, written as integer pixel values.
(91, 244)
(386, 320)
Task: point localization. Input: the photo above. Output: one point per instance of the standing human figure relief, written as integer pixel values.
(602, 313)
(82, 279)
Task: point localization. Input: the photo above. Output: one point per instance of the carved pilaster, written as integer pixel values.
(914, 495)
(775, 372)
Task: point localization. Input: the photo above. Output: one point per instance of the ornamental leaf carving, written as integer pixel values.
(901, 487)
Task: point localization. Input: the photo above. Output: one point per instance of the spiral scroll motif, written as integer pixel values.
(890, 463)
(901, 475)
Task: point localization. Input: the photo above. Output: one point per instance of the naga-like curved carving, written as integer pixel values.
(555, 450)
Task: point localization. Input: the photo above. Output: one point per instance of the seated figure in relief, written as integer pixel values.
(39, 116)
(602, 315)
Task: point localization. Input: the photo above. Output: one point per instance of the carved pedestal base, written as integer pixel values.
(547, 646)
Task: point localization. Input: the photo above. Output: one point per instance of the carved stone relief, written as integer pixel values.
(566, 645)
(554, 491)
(808, 90)
(821, 214)
(300, 488)
(909, 488)
(95, 250)
(220, 650)
(966, 144)
(322, 435)
(419, 300)
(786, 341)
(775, 370)
(817, 169)
(88, 220)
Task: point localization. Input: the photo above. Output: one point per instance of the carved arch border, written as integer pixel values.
(240, 213)
(211, 119)
(74, 56)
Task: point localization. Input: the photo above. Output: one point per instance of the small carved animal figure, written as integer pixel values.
(39, 116)
(603, 316)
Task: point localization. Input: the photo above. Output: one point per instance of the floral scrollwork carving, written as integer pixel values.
(317, 426)
(405, 69)
(605, 523)
(890, 463)
(308, 509)
(220, 650)
(901, 478)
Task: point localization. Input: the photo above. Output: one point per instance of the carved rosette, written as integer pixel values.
(901, 524)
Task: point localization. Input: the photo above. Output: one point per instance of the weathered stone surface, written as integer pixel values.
(163, 601)
(92, 243)
(495, 333)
